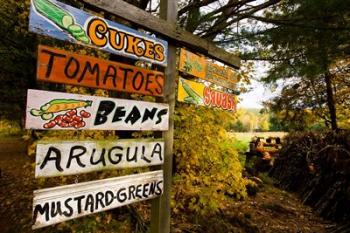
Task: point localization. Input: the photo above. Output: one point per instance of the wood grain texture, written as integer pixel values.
(61, 158)
(59, 66)
(167, 29)
(59, 204)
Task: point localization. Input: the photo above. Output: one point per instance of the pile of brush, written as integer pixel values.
(317, 167)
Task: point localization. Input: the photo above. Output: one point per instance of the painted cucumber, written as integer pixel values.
(61, 18)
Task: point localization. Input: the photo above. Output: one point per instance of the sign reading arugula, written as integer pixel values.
(60, 21)
(59, 204)
(199, 94)
(74, 157)
(59, 66)
(62, 111)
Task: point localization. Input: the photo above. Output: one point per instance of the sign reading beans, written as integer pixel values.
(59, 204)
(74, 157)
(59, 66)
(63, 22)
(62, 111)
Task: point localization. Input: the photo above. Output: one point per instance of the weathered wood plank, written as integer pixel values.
(59, 204)
(59, 66)
(198, 66)
(60, 158)
(167, 29)
(63, 22)
(63, 111)
(199, 94)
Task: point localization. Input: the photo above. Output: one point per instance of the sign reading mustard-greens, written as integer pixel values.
(59, 204)
(59, 66)
(63, 111)
(199, 94)
(60, 21)
(58, 158)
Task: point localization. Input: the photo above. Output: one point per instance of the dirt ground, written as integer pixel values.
(270, 210)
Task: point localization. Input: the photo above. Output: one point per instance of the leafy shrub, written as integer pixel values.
(207, 167)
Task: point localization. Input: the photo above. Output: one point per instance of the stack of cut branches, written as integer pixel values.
(317, 167)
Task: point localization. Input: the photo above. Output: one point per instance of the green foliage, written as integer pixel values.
(207, 167)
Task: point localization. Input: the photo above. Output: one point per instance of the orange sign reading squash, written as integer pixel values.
(59, 66)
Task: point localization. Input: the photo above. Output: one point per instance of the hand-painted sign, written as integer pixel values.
(59, 204)
(55, 110)
(199, 67)
(74, 157)
(60, 21)
(192, 64)
(198, 93)
(59, 66)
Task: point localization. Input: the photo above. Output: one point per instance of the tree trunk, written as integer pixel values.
(330, 100)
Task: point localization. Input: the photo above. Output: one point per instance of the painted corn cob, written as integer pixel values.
(192, 95)
(61, 18)
(47, 111)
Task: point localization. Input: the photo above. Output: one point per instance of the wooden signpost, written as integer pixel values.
(62, 111)
(54, 205)
(202, 68)
(59, 66)
(61, 21)
(199, 94)
(53, 110)
(74, 157)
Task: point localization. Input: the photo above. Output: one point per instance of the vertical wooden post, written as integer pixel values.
(160, 219)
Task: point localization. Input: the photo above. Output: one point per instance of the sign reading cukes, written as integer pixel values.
(60, 21)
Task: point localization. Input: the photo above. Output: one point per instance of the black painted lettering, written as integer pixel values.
(109, 196)
(69, 207)
(101, 158)
(55, 209)
(121, 195)
(56, 158)
(73, 66)
(93, 70)
(139, 191)
(143, 157)
(53, 55)
(160, 114)
(159, 188)
(131, 192)
(125, 72)
(119, 114)
(157, 150)
(42, 210)
(145, 190)
(104, 109)
(128, 158)
(89, 203)
(78, 199)
(149, 78)
(152, 188)
(133, 116)
(110, 73)
(149, 114)
(159, 89)
(99, 200)
(75, 153)
(118, 155)
(137, 76)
